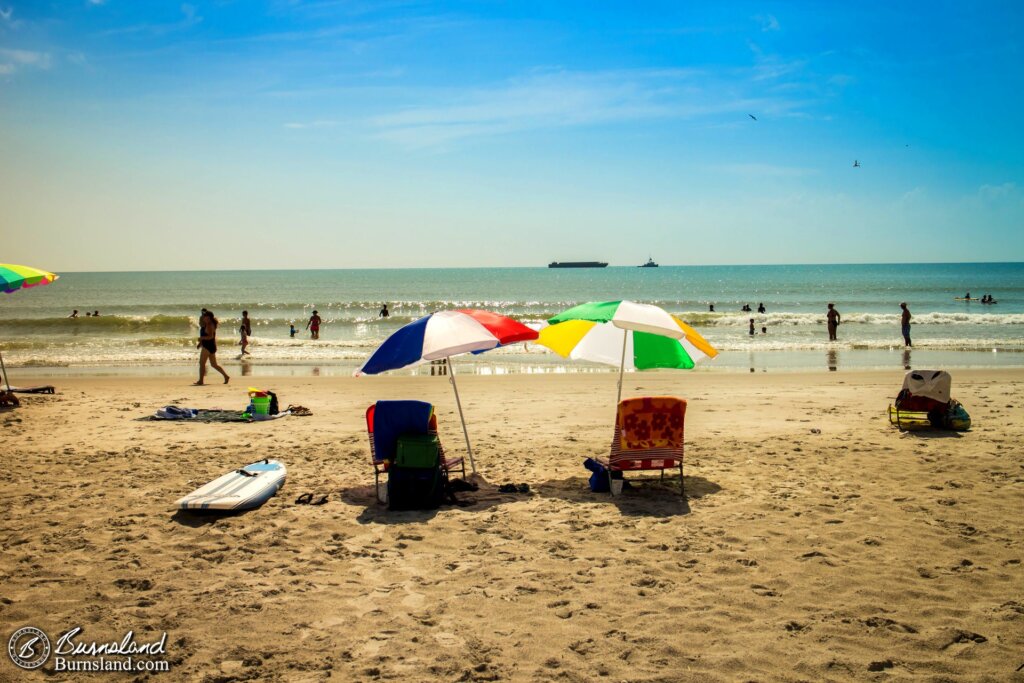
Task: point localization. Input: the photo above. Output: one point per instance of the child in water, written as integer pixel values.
(292, 332)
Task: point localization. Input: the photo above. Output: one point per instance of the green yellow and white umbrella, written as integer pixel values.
(631, 335)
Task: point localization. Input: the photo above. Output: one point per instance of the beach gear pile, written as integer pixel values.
(263, 405)
(924, 402)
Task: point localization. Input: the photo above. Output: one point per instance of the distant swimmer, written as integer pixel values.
(384, 312)
(292, 331)
(833, 321)
(711, 308)
(761, 308)
(314, 326)
(95, 314)
(905, 323)
(74, 314)
(752, 116)
(88, 314)
(751, 327)
(856, 164)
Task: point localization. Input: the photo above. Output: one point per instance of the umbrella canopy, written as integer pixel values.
(442, 335)
(13, 278)
(627, 334)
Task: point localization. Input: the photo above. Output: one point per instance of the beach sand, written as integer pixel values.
(856, 553)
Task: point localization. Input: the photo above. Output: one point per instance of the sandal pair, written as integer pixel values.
(307, 499)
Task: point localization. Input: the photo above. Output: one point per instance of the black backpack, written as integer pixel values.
(416, 488)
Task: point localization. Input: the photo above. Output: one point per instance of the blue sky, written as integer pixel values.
(296, 134)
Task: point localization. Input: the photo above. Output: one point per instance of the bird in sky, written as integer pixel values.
(752, 116)
(856, 164)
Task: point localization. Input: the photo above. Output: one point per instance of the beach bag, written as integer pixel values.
(418, 451)
(416, 488)
(274, 405)
(956, 417)
(599, 478)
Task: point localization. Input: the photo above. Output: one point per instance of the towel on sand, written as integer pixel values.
(392, 419)
(652, 422)
(199, 415)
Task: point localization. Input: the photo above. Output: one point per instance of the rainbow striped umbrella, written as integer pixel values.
(625, 333)
(13, 278)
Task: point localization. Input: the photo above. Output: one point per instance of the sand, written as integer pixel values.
(856, 553)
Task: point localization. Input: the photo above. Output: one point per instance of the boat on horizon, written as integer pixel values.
(577, 264)
(650, 263)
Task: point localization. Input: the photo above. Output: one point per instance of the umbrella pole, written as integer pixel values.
(622, 366)
(465, 432)
(4, 368)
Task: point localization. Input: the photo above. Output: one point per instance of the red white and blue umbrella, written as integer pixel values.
(442, 335)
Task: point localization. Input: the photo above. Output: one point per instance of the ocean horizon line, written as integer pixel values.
(538, 267)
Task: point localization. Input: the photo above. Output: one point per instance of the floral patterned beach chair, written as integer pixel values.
(648, 436)
(422, 420)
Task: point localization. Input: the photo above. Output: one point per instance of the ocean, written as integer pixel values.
(148, 320)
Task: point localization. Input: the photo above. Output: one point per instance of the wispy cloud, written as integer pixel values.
(768, 22)
(15, 60)
(562, 99)
(190, 17)
(324, 123)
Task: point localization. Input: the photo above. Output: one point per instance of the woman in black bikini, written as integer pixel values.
(208, 344)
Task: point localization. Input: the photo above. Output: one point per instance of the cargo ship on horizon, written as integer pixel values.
(577, 264)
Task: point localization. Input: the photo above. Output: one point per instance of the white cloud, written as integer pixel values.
(15, 60)
(312, 124)
(191, 18)
(562, 99)
(768, 22)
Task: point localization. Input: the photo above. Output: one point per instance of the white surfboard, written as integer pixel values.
(242, 489)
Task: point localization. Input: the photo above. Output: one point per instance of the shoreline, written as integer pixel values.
(837, 359)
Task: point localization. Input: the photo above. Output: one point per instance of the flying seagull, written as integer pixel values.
(856, 164)
(752, 116)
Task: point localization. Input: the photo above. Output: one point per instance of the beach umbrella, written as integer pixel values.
(13, 278)
(442, 335)
(625, 333)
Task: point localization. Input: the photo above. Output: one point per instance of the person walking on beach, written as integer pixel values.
(833, 321)
(208, 343)
(245, 330)
(384, 312)
(314, 326)
(905, 323)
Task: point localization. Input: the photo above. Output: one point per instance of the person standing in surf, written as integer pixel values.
(208, 345)
(905, 323)
(314, 326)
(833, 321)
(245, 330)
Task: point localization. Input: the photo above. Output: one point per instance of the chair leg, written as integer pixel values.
(376, 485)
(682, 484)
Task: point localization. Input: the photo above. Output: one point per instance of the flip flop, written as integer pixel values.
(304, 499)
(319, 501)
